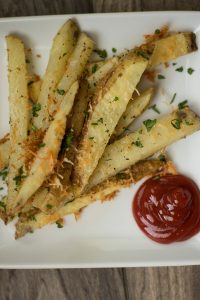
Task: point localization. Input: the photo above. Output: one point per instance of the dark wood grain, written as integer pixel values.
(174, 283)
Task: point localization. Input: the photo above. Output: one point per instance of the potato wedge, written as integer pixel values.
(104, 191)
(172, 47)
(34, 90)
(144, 143)
(109, 103)
(46, 157)
(74, 69)
(19, 114)
(4, 151)
(134, 109)
(101, 72)
(63, 45)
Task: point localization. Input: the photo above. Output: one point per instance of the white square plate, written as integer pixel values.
(106, 234)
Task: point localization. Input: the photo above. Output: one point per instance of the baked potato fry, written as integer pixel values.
(4, 151)
(108, 104)
(19, 114)
(134, 109)
(144, 142)
(172, 47)
(46, 156)
(63, 45)
(104, 191)
(74, 69)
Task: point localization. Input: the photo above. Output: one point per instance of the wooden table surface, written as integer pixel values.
(164, 283)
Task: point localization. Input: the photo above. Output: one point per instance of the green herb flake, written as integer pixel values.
(162, 157)
(140, 131)
(154, 107)
(27, 61)
(91, 137)
(174, 64)
(160, 76)
(64, 54)
(32, 218)
(101, 53)
(35, 108)
(86, 114)
(49, 206)
(94, 123)
(138, 143)
(59, 225)
(183, 104)
(173, 98)
(100, 120)
(180, 69)
(123, 176)
(114, 50)
(149, 124)
(176, 123)
(116, 98)
(61, 92)
(157, 31)
(68, 139)
(41, 145)
(18, 179)
(34, 128)
(94, 68)
(4, 173)
(3, 205)
(143, 54)
(1, 188)
(188, 123)
(190, 71)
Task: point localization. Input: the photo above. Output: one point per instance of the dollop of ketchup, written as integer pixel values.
(167, 208)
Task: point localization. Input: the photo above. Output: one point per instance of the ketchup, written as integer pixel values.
(167, 208)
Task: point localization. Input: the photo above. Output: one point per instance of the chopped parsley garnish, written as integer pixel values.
(188, 123)
(49, 206)
(94, 123)
(183, 104)
(32, 218)
(162, 157)
(123, 176)
(35, 108)
(143, 54)
(176, 123)
(27, 61)
(34, 128)
(4, 173)
(100, 120)
(180, 69)
(1, 188)
(157, 31)
(116, 98)
(160, 76)
(174, 64)
(173, 98)
(101, 53)
(140, 131)
(149, 124)
(61, 92)
(41, 145)
(86, 114)
(3, 205)
(68, 139)
(190, 71)
(94, 68)
(154, 107)
(64, 54)
(114, 50)
(138, 143)
(19, 177)
(59, 225)
(91, 137)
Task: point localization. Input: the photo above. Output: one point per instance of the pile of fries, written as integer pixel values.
(66, 147)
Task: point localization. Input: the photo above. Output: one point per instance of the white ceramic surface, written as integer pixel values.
(106, 234)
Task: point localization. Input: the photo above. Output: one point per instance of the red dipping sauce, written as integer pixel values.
(167, 208)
